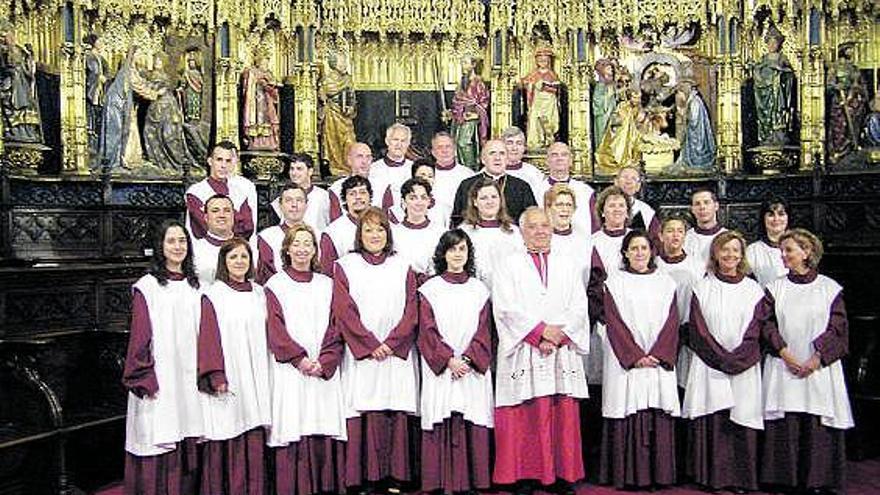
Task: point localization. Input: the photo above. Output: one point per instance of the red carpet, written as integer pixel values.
(863, 478)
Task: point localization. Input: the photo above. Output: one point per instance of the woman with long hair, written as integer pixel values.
(764, 255)
(488, 225)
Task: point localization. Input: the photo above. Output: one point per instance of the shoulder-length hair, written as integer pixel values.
(808, 242)
(375, 216)
(607, 193)
(714, 266)
(314, 264)
(448, 240)
(158, 266)
(557, 190)
(627, 240)
(222, 273)
(472, 215)
(771, 204)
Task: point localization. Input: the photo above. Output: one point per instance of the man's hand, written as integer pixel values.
(553, 333)
(546, 347)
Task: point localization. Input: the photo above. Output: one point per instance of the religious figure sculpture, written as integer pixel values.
(470, 115)
(698, 145)
(338, 110)
(165, 141)
(18, 92)
(620, 146)
(774, 85)
(190, 86)
(97, 75)
(872, 127)
(260, 116)
(847, 104)
(119, 145)
(542, 87)
(604, 98)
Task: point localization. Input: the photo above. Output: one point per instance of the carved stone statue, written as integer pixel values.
(165, 141)
(18, 92)
(260, 116)
(604, 98)
(542, 94)
(338, 110)
(620, 145)
(470, 115)
(698, 146)
(774, 85)
(872, 127)
(847, 104)
(97, 76)
(120, 144)
(191, 86)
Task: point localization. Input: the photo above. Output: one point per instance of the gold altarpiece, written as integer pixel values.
(394, 45)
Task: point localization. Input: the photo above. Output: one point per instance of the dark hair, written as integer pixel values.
(422, 162)
(290, 186)
(217, 196)
(351, 183)
(704, 190)
(288, 240)
(222, 274)
(627, 240)
(675, 217)
(297, 157)
(767, 206)
(226, 145)
(157, 262)
(448, 240)
(373, 215)
(439, 134)
(408, 186)
(472, 216)
(606, 193)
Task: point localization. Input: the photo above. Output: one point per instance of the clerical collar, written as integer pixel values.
(214, 240)
(439, 166)
(806, 278)
(710, 231)
(175, 276)
(498, 178)
(297, 275)
(392, 163)
(352, 218)
(673, 259)
(614, 232)
(515, 166)
(406, 223)
(455, 278)
(220, 186)
(489, 224)
(562, 232)
(245, 286)
(374, 259)
(552, 180)
(650, 271)
(766, 240)
(730, 279)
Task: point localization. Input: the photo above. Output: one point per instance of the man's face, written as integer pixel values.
(494, 157)
(293, 205)
(559, 160)
(537, 231)
(222, 163)
(516, 148)
(629, 180)
(443, 150)
(359, 159)
(357, 199)
(398, 143)
(219, 216)
(704, 207)
(300, 174)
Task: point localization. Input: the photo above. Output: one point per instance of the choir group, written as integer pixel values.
(419, 326)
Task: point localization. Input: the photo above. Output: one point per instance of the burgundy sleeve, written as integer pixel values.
(244, 221)
(597, 222)
(283, 347)
(654, 232)
(596, 288)
(460, 203)
(212, 370)
(665, 348)
(328, 255)
(770, 335)
(335, 206)
(620, 337)
(833, 343)
(332, 349)
(431, 346)
(139, 374)
(196, 211)
(266, 263)
(346, 315)
(743, 357)
(387, 199)
(403, 335)
(479, 351)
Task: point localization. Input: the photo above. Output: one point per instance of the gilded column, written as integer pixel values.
(579, 102)
(812, 104)
(503, 69)
(306, 110)
(74, 125)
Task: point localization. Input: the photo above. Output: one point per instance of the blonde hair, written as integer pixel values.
(720, 240)
(298, 227)
(808, 242)
(556, 191)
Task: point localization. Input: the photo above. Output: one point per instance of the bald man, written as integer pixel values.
(540, 310)
(517, 193)
(359, 160)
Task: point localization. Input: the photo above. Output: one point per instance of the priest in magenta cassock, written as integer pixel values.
(540, 310)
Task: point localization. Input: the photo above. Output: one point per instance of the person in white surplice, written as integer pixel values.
(308, 411)
(764, 255)
(540, 311)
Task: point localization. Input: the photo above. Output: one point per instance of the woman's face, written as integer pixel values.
(614, 212)
(374, 237)
(776, 221)
(174, 246)
(456, 257)
(638, 253)
(426, 173)
(729, 256)
(238, 262)
(794, 256)
(301, 251)
(416, 203)
(561, 211)
(488, 203)
(672, 236)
